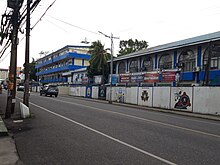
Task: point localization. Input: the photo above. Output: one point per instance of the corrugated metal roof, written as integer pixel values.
(173, 45)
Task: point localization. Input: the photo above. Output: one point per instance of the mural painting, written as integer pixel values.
(182, 100)
(144, 95)
(120, 95)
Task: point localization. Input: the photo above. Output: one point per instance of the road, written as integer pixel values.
(69, 130)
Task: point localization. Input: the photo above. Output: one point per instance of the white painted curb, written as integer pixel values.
(25, 113)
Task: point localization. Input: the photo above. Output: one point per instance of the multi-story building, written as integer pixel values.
(53, 66)
(187, 62)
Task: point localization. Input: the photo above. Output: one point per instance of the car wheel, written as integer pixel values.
(41, 94)
(55, 95)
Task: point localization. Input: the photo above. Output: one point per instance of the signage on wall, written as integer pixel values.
(151, 77)
(170, 75)
(124, 78)
(137, 77)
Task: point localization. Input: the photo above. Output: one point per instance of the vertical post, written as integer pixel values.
(111, 69)
(13, 66)
(27, 51)
(207, 78)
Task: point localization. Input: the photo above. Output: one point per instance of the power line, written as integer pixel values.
(44, 13)
(74, 25)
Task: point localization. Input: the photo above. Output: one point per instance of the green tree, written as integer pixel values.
(130, 46)
(32, 70)
(98, 61)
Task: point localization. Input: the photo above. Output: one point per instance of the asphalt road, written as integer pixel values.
(69, 130)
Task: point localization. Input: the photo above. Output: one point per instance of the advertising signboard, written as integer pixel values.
(151, 77)
(137, 77)
(124, 78)
(169, 75)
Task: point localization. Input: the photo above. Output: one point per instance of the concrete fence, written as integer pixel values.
(203, 100)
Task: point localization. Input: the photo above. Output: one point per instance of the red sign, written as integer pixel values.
(168, 76)
(151, 77)
(124, 78)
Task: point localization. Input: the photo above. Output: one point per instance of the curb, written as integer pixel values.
(3, 129)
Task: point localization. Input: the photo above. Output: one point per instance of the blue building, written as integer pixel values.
(193, 61)
(53, 66)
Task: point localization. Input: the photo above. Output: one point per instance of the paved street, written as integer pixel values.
(68, 130)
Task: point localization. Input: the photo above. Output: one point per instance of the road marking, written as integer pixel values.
(153, 112)
(107, 136)
(143, 119)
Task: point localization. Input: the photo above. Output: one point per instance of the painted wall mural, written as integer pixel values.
(181, 98)
(120, 94)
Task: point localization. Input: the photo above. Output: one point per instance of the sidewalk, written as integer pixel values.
(8, 151)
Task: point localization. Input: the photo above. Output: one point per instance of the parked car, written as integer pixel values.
(20, 87)
(49, 90)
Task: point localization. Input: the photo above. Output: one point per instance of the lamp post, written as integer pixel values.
(111, 65)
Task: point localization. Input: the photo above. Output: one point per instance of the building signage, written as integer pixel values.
(151, 77)
(137, 77)
(114, 79)
(124, 78)
(169, 75)
(85, 80)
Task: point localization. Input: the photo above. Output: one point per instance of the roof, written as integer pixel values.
(67, 46)
(173, 45)
(3, 69)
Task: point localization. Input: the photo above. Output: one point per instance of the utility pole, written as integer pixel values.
(111, 65)
(27, 52)
(207, 71)
(13, 62)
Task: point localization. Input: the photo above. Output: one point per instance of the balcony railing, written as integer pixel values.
(64, 56)
(60, 69)
(57, 80)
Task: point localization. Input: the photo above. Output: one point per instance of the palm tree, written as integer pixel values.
(98, 61)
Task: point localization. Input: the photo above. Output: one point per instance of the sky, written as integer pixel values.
(69, 22)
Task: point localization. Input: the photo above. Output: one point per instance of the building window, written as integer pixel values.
(187, 60)
(121, 67)
(215, 59)
(165, 61)
(147, 64)
(133, 67)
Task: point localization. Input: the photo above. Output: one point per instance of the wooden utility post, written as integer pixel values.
(27, 52)
(13, 65)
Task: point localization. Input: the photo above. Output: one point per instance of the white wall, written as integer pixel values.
(95, 92)
(63, 90)
(131, 95)
(206, 100)
(145, 96)
(161, 97)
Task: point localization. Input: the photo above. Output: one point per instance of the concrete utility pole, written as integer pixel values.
(111, 65)
(27, 52)
(207, 70)
(13, 63)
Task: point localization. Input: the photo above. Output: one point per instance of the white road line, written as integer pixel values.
(107, 136)
(143, 119)
(161, 114)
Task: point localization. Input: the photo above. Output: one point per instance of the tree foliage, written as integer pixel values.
(98, 61)
(32, 70)
(130, 46)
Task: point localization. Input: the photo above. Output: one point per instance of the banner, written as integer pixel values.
(169, 75)
(151, 77)
(137, 77)
(124, 78)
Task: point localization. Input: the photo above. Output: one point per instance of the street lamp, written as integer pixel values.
(111, 66)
